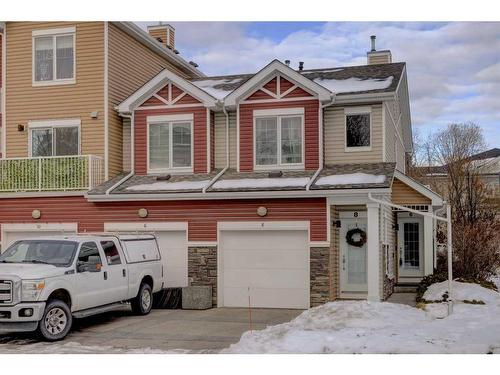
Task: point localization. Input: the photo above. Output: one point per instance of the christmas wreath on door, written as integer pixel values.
(356, 237)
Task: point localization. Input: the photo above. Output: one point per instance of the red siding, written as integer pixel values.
(200, 136)
(187, 99)
(284, 85)
(202, 216)
(298, 93)
(152, 102)
(176, 92)
(272, 85)
(310, 126)
(259, 94)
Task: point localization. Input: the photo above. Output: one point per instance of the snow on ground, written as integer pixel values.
(27, 347)
(351, 179)
(383, 327)
(164, 185)
(354, 84)
(261, 183)
(461, 292)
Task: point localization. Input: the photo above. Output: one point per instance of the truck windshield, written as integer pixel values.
(57, 253)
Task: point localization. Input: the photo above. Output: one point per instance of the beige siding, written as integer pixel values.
(334, 134)
(131, 65)
(25, 102)
(127, 145)
(404, 195)
(220, 140)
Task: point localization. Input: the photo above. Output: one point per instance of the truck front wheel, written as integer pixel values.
(142, 304)
(56, 321)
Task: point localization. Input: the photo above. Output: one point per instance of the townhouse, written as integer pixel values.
(259, 185)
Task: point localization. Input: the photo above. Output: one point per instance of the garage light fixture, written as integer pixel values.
(142, 212)
(36, 214)
(262, 211)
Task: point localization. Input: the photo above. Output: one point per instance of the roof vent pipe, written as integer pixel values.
(301, 66)
(373, 37)
(287, 62)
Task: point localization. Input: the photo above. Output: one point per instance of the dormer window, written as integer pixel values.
(54, 56)
(279, 138)
(358, 129)
(170, 143)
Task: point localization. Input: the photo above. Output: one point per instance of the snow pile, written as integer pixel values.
(351, 179)
(461, 292)
(355, 84)
(383, 327)
(256, 183)
(164, 185)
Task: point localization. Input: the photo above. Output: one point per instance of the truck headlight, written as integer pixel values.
(31, 289)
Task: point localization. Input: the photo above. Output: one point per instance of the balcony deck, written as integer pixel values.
(54, 173)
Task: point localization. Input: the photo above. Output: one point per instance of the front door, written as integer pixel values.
(411, 246)
(353, 255)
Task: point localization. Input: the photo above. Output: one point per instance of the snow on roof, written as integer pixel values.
(351, 179)
(219, 88)
(255, 183)
(165, 185)
(354, 84)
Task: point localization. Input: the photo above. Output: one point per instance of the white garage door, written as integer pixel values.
(172, 241)
(272, 266)
(14, 232)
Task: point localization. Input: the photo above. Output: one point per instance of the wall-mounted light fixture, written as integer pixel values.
(20, 127)
(94, 114)
(36, 214)
(262, 211)
(142, 212)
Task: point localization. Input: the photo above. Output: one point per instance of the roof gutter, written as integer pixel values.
(213, 180)
(321, 142)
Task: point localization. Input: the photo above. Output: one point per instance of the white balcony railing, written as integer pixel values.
(54, 173)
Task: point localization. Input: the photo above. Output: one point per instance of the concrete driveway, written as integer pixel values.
(205, 331)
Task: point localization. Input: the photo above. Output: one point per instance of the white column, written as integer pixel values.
(428, 244)
(373, 250)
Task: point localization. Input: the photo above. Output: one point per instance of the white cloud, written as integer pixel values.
(453, 68)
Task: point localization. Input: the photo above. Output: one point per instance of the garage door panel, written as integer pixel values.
(9, 237)
(259, 278)
(292, 241)
(266, 258)
(268, 297)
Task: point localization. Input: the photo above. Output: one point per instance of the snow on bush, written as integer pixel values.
(461, 292)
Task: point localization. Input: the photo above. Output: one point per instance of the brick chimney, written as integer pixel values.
(164, 33)
(378, 57)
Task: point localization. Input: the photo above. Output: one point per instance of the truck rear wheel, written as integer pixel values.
(56, 321)
(143, 303)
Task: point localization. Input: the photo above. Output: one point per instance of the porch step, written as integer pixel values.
(405, 288)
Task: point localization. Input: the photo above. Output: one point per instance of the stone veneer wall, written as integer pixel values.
(319, 275)
(388, 287)
(334, 255)
(202, 268)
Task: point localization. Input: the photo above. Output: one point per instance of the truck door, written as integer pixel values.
(89, 285)
(116, 282)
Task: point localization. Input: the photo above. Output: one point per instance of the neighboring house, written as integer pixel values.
(254, 184)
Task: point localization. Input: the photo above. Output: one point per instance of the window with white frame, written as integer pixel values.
(357, 129)
(170, 144)
(54, 56)
(57, 138)
(279, 140)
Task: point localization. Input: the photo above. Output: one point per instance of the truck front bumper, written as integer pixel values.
(15, 319)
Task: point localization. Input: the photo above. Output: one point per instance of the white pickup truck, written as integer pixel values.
(46, 282)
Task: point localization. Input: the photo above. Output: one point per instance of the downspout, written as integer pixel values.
(321, 142)
(132, 153)
(213, 180)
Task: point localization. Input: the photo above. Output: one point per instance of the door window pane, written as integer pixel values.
(44, 59)
(181, 145)
(291, 140)
(159, 152)
(66, 140)
(358, 130)
(65, 56)
(411, 245)
(266, 136)
(111, 252)
(41, 142)
(89, 253)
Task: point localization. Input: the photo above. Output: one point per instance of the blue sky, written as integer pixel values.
(453, 68)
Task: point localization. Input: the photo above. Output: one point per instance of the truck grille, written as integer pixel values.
(5, 291)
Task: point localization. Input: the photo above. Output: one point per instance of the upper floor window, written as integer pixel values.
(54, 138)
(358, 129)
(54, 56)
(279, 138)
(170, 143)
